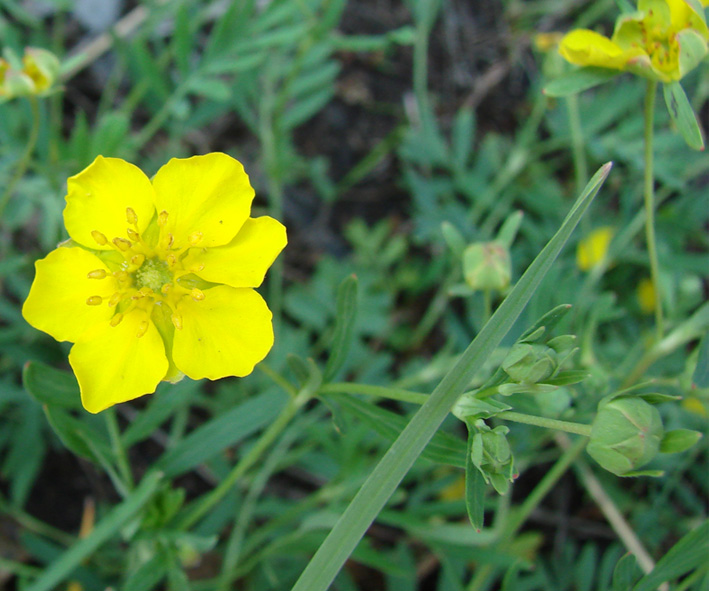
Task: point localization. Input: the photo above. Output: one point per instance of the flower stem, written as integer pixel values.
(119, 449)
(576, 428)
(267, 438)
(649, 197)
(24, 161)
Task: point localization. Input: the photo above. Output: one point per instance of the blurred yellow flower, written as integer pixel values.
(35, 75)
(646, 295)
(157, 279)
(695, 405)
(662, 41)
(593, 249)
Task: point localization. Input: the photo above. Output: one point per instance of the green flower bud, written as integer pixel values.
(625, 435)
(16, 84)
(492, 455)
(530, 363)
(42, 67)
(486, 265)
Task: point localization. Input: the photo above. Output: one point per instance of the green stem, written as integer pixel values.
(520, 515)
(380, 391)
(24, 161)
(649, 197)
(516, 417)
(577, 143)
(119, 450)
(268, 437)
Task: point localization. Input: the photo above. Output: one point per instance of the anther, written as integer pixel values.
(171, 260)
(115, 299)
(197, 294)
(195, 238)
(131, 216)
(162, 218)
(170, 240)
(97, 274)
(142, 328)
(121, 276)
(99, 237)
(133, 235)
(177, 321)
(116, 320)
(197, 268)
(165, 288)
(122, 244)
(137, 259)
(94, 300)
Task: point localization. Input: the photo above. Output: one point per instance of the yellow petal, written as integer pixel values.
(244, 261)
(113, 365)
(593, 249)
(99, 196)
(588, 48)
(207, 198)
(57, 300)
(225, 334)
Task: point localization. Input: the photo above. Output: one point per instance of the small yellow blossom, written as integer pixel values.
(695, 405)
(646, 295)
(593, 249)
(35, 75)
(157, 279)
(662, 41)
(547, 41)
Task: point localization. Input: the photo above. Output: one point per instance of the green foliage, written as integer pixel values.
(397, 186)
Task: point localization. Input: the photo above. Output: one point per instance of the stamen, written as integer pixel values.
(94, 300)
(165, 288)
(116, 320)
(170, 240)
(142, 328)
(115, 299)
(197, 294)
(122, 244)
(99, 237)
(131, 216)
(171, 260)
(197, 268)
(133, 235)
(137, 259)
(97, 274)
(195, 238)
(177, 321)
(162, 218)
(122, 276)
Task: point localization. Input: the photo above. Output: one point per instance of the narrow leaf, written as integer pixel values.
(344, 323)
(475, 487)
(683, 115)
(687, 554)
(578, 80)
(392, 468)
(63, 566)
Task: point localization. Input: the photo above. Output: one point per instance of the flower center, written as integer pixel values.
(153, 273)
(149, 274)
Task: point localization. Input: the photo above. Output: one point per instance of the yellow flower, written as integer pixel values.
(662, 41)
(157, 279)
(646, 295)
(34, 75)
(592, 249)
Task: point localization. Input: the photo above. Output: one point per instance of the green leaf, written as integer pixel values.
(211, 88)
(344, 325)
(462, 137)
(546, 322)
(442, 449)
(392, 468)
(626, 573)
(578, 80)
(638, 473)
(214, 436)
(683, 115)
(147, 576)
(689, 553)
(51, 386)
(679, 440)
(475, 486)
(109, 526)
(78, 436)
(700, 377)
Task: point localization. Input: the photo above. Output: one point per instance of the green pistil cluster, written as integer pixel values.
(153, 273)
